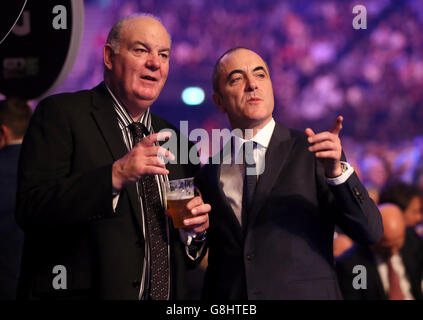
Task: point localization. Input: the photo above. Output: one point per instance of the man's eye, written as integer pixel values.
(164, 55)
(233, 80)
(140, 50)
(261, 75)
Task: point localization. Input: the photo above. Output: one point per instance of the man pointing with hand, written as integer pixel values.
(327, 147)
(273, 217)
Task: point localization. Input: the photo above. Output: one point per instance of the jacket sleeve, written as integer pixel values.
(50, 192)
(353, 210)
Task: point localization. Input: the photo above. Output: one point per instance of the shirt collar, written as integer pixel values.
(123, 115)
(262, 137)
(381, 260)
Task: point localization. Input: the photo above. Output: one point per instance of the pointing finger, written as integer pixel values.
(337, 126)
(164, 153)
(153, 138)
(309, 132)
(160, 152)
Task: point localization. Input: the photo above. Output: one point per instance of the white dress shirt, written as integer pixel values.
(232, 170)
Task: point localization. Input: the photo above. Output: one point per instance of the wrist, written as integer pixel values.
(340, 169)
(117, 184)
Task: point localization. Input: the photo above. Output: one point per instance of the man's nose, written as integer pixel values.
(153, 62)
(251, 84)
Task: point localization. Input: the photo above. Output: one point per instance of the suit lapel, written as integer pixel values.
(105, 117)
(275, 158)
(227, 207)
(229, 214)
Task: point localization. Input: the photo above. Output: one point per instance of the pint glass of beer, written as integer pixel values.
(178, 194)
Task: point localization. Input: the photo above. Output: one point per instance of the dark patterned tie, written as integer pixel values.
(250, 181)
(156, 226)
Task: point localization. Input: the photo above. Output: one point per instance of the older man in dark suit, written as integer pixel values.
(393, 266)
(273, 217)
(91, 183)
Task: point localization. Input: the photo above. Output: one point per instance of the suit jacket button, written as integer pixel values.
(136, 283)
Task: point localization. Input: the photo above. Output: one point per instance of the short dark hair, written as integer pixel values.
(399, 193)
(215, 74)
(15, 114)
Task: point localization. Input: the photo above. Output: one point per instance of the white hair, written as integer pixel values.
(114, 36)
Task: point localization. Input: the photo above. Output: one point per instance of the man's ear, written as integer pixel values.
(108, 53)
(217, 99)
(4, 130)
(4, 135)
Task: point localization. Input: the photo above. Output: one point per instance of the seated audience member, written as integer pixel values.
(406, 196)
(374, 174)
(393, 266)
(14, 118)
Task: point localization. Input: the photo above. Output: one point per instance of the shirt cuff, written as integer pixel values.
(115, 200)
(347, 171)
(186, 236)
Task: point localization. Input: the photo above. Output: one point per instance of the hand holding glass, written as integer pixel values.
(178, 194)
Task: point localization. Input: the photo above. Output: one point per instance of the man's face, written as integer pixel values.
(393, 231)
(413, 214)
(138, 71)
(246, 92)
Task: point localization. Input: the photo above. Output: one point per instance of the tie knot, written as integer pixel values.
(138, 131)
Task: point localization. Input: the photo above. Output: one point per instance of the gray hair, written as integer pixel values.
(114, 36)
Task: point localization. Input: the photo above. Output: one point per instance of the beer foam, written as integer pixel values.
(179, 196)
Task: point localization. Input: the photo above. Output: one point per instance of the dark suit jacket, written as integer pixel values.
(11, 237)
(287, 250)
(412, 256)
(65, 203)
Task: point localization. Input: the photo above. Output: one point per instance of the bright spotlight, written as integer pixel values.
(193, 96)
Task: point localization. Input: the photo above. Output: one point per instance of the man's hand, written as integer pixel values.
(200, 222)
(143, 159)
(327, 147)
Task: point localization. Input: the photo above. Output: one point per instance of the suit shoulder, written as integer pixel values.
(65, 101)
(299, 135)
